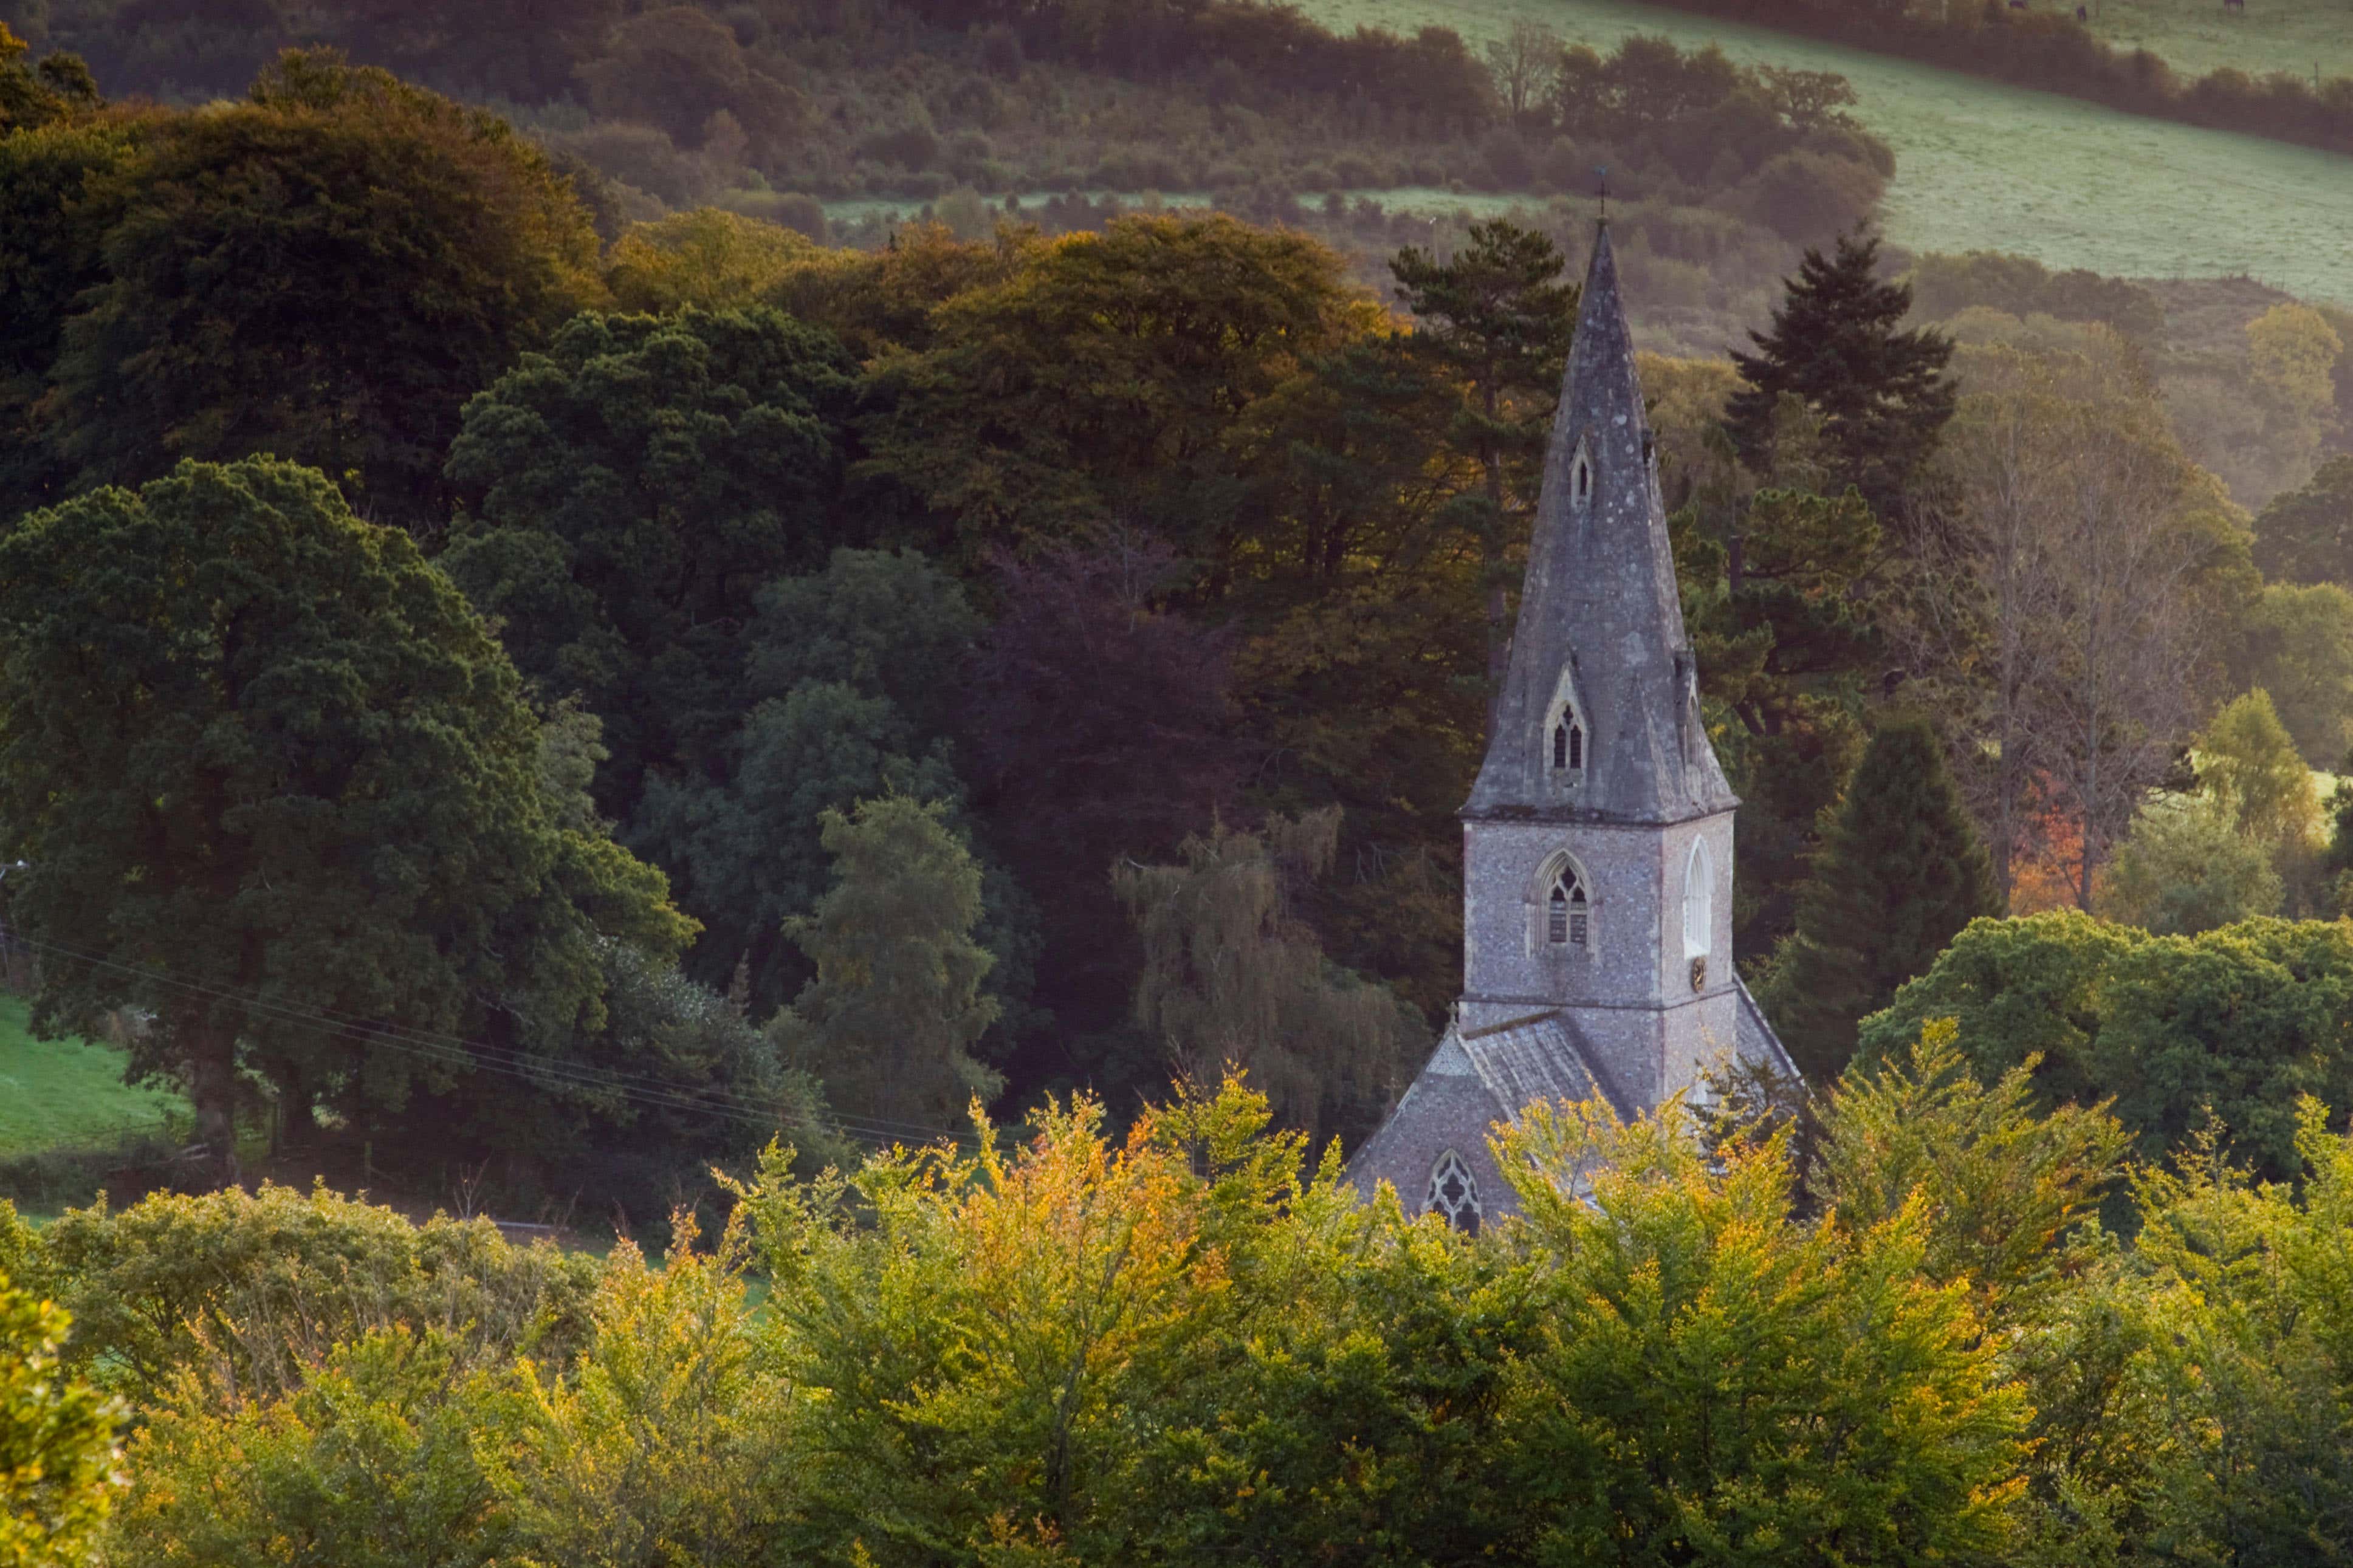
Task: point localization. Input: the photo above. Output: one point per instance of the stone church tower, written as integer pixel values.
(1597, 844)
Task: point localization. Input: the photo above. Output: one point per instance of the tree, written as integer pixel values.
(1233, 981)
(1100, 380)
(2180, 1032)
(2189, 865)
(1784, 593)
(1036, 1349)
(848, 674)
(1523, 64)
(627, 494)
(889, 1021)
(709, 259)
(1881, 393)
(49, 227)
(1098, 723)
(2246, 760)
(1900, 872)
(277, 783)
(1497, 320)
(59, 86)
(2307, 535)
(371, 1461)
(2298, 646)
(327, 271)
(2089, 571)
(250, 1287)
(1689, 1317)
(58, 1458)
(2291, 352)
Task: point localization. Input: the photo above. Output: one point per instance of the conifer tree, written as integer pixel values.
(1497, 317)
(1882, 393)
(1899, 873)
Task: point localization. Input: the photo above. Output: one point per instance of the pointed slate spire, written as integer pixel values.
(1600, 635)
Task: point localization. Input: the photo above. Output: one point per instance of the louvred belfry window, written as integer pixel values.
(1568, 741)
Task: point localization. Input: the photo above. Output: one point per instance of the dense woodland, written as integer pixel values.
(616, 710)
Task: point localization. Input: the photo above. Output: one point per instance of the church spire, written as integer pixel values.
(1598, 717)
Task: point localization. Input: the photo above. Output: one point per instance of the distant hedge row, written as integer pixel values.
(2051, 51)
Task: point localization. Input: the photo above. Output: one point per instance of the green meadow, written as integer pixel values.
(2200, 35)
(63, 1093)
(1985, 166)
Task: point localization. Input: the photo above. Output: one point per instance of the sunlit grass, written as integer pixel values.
(2198, 35)
(1984, 166)
(67, 1093)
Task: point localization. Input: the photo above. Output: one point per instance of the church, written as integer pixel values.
(1597, 844)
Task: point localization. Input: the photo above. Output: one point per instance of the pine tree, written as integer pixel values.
(1899, 873)
(1882, 393)
(1498, 318)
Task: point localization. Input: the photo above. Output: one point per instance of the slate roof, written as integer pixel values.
(1601, 599)
(1531, 1059)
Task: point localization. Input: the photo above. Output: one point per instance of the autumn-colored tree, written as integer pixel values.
(1687, 1316)
(58, 1458)
(1100, 381)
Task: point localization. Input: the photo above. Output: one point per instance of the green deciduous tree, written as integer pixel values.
(58, 1459)
(371, 1461)
(1234, 980)
(709, 259)
(2247, 761)
(849, 678)
(889, 1021)
(2189, 865)
(1881, 391)
(327, 271)
(2298, 646)
(627, 494)
(2231, 1024)
(1900, 872)
(276, 782)
(2307, 535)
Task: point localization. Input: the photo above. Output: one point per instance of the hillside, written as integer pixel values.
(1983, 166)
(2200, 35)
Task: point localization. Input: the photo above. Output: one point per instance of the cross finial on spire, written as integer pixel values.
(1604, 175)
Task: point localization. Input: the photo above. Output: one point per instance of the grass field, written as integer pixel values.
(58, 1093)
(2198, 35)
(1984, 166)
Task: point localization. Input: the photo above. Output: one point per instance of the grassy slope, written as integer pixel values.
(65, 1092)
(2197, 35)
(1983, 166)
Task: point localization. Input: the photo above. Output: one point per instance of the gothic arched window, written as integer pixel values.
(1582, 478)
(1568, 742)
(1699, 901)
(1454, 1193)
(1566, 921)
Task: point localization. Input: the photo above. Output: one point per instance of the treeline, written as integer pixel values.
(1920, 1341)
(2049, 50)
(876, 96)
